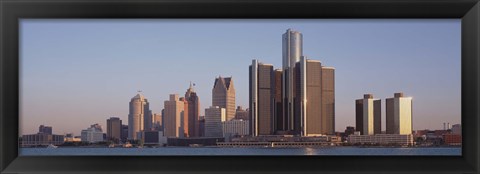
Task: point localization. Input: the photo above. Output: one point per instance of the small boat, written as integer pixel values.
(51, 146)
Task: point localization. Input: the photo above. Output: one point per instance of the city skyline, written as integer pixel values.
(345, 98)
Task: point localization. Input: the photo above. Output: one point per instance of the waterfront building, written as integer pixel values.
(382, 139)
(192, 112)
(45, 129)
(139, 114)
(214, 116)
(157, 122)
(42, 139)
(114, 129)
(457, 129)
(70, 138)
(154, 138)
(240, 113)
(399, 114)
(328, 100)
(174, 117)
(223, 95)
(201, 126)
(292, 50)
(261, 98)
(368, 115)
(93, 134)
(278, 115)
(235, 127)
(452, 139)
(124, 133)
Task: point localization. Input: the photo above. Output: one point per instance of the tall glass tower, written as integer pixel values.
(292, 50)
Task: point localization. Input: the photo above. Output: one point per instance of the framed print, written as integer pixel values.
(242, 87)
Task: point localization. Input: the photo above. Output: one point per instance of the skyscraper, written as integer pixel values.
(291, 52)
(157, 122)
(114, 129)
(173, 117)
(261, 98)
(278, 115)
(302, 94)
(193, 112)
(368, 115)
(214, 116)
(139, 110)
(223, 95)
(328, 100)
(399, 114)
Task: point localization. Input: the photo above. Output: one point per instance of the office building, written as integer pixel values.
(368, 115)
(157, 122)
(214, 116)
(45, 129)
(154, 138)
(201, 126)
(457, 129)
(278, 115)
(399, 114)
(261, 98)
(235, 127)
(114, 129)
(223, 95)
(193, 112)
(292, 48)
(124, 134)
(93, 134)
(139, 114)
(173, 117)
(382, 139)
(328, 100)
(42, 139)
(240, 113)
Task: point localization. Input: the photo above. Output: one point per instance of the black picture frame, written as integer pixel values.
(13, 10)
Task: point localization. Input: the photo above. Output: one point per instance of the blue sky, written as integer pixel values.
(75, 73)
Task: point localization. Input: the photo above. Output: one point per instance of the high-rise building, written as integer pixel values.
(399, 114)
(157, 122)
(278, 115)
(368, 115)
(201, 126)
(328, 100)
(114, 129)
(291, 52)
(124, 133)
(45, 129)
(240, 113)
(148, 121)
(214, 116)
(261, 99)
(185, 117)
(173, 117)
(193, 107)
(308, 97)
(138, 111)
(223, 95)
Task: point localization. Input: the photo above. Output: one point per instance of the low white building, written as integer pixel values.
(382, 139)
(235, 127)
(92, 134)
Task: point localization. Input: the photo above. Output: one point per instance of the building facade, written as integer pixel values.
(261, 99)
(139, 114)
(368, 115)
(173, 117)
(235, 127)
(45, 129)
(240, 113)
(157, 122)
(192, 117)
(93, 134)
(114, 129)
(382, 139)
(214, 116)
(223, 95)
(399, 114)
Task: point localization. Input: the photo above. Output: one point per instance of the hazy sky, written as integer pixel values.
(75, 73)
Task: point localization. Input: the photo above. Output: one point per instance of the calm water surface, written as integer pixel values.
(443, 151)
